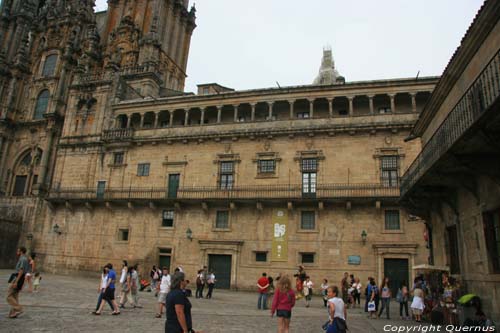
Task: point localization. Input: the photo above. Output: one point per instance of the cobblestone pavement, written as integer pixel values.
(65, 303)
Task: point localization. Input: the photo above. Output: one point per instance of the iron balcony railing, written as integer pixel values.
(252, 192)
(118, 134)
(480, 96)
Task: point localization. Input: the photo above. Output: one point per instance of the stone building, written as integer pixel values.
(454, 183)
(106, 158)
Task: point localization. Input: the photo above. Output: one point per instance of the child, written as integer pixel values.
(36, 281)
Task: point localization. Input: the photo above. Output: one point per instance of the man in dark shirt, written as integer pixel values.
(15, 287)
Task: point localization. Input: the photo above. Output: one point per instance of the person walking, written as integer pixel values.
(22, 267)
(367, 293)
(344, 284)
(270, 291)
(402, 299)
(417, 305)
(109, 292)
(357, 292)
(386, 298)
(134, 285)
(154, 278)
(211, 284)
(199, 284)
(263, 285)
(163, 289)
(103, 281)
(373, 297)
(283, 302)
(178, 307)
(324, 292)
(31, 273)
(337, 312)
(124, 284)
(308, 290)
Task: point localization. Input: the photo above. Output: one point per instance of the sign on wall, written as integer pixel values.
(280, 234)
(354, 260)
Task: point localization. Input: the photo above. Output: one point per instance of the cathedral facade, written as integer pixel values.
(105, 158)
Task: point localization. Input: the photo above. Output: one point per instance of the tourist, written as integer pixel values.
(449, 299)
(163, 289)
(367, 293)
(357, 292)
(337, 312)
(270, 292)
(134, 285)
(36, 282)
(155, 277)
(344, 284)
(262, 284)
(178, 307)
(283, 302)
(109, 292)
(103, 281)
(125, 287)
(308, 290)
(31, 272)
(417, 305)
(204, 275)
(300, 277)
(199, 284)
(16, 284)
(386, 297)
(402, 299)
(373, 297)
(324, 292)
(210, 283)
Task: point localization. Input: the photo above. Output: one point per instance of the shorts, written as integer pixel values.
(109, 294)
(284, 314)
(162, 298)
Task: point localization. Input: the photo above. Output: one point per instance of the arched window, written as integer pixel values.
(41, 104)
(49, 66)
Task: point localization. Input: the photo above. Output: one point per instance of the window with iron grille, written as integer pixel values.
(307, 220)
(49, 66)
(389, 170)
(118, 158)
(167, 218)
(222, 219)
(143, 169)
(226, 176)
(309, 165)
(491, 224)
(267, 166)
(261, 256)
(307, 258)
(392, 220)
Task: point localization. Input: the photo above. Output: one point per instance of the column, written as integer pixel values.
(3, 161)
(141, 124)
(270, 114)
(235, 113)
(157, 116)
(413, 102)
(129, 120)
(292, 102)
(44, 164)
(393, 105)
(219, 114)
(330, 107)
(252, 117)
(186, 117)
(351, 105)
(202, 119)
(370, 100)
(171, 119)
(311, 108)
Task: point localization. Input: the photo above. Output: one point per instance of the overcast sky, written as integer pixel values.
(254, 43)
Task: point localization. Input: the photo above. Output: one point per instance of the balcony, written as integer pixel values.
(324, 192)
(472, 107)
(118, 134)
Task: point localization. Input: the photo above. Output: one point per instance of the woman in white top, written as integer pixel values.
(357, 292)
(308, 285)
(124, 285)
(103, 282)
(337, 312)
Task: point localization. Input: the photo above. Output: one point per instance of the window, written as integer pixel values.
(118, 158)
(309, 164)
(123, 235)
(226, 176)
(392, 220)
(307, 220)
(222, 219)
(302, 115)
(143, 169)
(261, 256)
(389, 170)
(167, 219)
(42, 103)
(49, 66)
(384, 110)
(307, 258)
(491, 224)
(19, 186)
(309, 167)
(267, 166)
(205, 91)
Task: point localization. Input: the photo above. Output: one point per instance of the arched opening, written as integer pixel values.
(121, 121)
(340, 106)
(42, 103)
(421, 99)
(261, 111)
(402, 101)
(149, 120)
(361, 105)
(135, 120)
(281, 110)
(49, 66)
(194, 116)
(301, 109)
(210, 116)
(321, 108)
(382, 104)
(164, 119)
(244, 112)
(227, 114)
(25, 173)
(179, 115)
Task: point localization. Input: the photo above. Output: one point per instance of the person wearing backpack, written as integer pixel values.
(402, 299)
(22, 267)
(283, 302)
(337, 312)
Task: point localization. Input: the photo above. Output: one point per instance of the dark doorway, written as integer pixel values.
(453, 254)
(173, 185)
(19, 186)
(397, 272)
(221, 266)
(165, 262)
(101, 186)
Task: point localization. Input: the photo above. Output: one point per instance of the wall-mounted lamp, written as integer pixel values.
(29, 237)
(56, 229)
(363, 236)
(189, 234)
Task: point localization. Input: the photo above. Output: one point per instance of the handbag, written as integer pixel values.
(340, 323)
(371, 306)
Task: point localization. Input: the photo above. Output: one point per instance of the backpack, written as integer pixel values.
(399, 296)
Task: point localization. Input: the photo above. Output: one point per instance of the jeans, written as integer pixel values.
(99, 300)
(262, 303)
(210, 289)
(405, 305)
(385, 304)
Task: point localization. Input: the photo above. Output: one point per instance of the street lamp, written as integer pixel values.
(56, 229)
(189, 234)
(363, 236)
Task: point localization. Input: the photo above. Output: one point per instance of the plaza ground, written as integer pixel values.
(65, 303)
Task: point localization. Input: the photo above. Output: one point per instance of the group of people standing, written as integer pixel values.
(205, 277)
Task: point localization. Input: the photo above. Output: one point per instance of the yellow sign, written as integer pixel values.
(280, 234)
